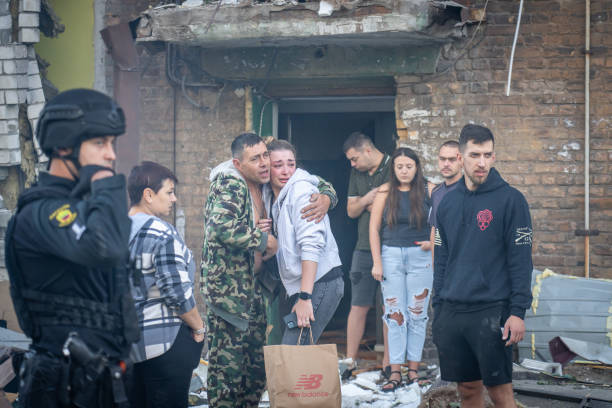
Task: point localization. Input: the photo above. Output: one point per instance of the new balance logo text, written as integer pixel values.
(309, 382)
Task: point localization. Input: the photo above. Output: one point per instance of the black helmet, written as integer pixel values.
(77, 115)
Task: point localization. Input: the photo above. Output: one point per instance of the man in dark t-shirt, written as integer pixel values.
(449, 164)
(371, 168)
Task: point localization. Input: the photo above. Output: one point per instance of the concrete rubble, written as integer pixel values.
(362, 390)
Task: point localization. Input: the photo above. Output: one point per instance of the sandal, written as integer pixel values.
(392, 385)
(420, 381)
(386, 372)
(348, 371)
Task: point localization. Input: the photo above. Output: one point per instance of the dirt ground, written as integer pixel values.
(444, 395)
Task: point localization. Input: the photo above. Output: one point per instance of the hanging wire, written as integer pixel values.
(261, 115)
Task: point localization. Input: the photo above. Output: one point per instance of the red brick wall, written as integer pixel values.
(539, 128)
(202, 137)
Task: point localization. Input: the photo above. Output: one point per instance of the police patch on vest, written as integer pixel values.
(523, 236)
(63, 216)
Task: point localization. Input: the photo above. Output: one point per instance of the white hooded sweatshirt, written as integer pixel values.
(298, 239)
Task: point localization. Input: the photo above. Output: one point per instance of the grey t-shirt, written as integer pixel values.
(437, 194)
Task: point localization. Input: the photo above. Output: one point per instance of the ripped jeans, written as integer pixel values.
(406, 290)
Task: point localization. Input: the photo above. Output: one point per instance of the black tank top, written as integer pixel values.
(403, 233)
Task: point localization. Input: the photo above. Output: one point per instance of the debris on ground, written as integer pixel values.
(361, 389)
(536, 384)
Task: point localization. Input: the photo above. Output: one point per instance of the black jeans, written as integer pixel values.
(164, 381)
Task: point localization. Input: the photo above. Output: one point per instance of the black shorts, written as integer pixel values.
(469, 342)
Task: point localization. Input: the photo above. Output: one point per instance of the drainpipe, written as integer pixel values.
(587, 147)
(516, 32)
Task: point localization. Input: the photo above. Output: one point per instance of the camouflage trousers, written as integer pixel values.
(236, 372)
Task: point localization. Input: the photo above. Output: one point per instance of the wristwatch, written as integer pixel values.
(305, 295)
(199, 331)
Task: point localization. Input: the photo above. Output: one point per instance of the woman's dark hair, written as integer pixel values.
(279, 144)
(147, 175)
(417, 190)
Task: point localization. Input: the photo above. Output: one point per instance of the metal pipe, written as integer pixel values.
(518, 24)
(587, 142)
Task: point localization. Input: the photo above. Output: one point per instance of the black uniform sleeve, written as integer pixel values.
(91, 232)
(440, 259)
(518, 238)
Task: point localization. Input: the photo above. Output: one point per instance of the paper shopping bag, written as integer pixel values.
(303, 376)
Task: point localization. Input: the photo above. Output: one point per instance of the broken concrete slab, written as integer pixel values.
(565, 392)
(381, 22)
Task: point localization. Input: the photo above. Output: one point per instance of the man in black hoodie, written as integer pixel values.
(482, 275)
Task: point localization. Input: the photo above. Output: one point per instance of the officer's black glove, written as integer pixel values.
(85, 174)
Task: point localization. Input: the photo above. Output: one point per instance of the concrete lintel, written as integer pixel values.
(317, 62)
(266, 24)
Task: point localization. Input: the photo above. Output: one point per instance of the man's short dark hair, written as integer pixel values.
(476, 133)
(242, 141)
(357, 141)
(450, 143)
(147, 175)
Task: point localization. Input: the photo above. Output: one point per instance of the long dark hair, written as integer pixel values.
(416, 194)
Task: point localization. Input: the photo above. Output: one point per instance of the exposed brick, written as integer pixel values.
(7, 52)
(22, 95)
(5, 22)
(28, 20)
(20, 51)
(29, 5)
(9, 67)
(36, 96)
(34, 110)
(9, 141)
(15, 156)
(34, 82)
(5, 157)
(29, 35)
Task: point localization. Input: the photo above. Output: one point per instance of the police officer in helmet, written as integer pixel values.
(66, 253)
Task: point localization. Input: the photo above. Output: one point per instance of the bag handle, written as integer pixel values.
(300, 336)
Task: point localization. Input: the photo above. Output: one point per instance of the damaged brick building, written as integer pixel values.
(409, 72)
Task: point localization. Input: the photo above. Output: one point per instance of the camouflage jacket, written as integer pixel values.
(230, 241)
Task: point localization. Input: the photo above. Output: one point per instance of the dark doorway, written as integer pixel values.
(317, 127)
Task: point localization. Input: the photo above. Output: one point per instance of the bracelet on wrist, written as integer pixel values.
(199, 331)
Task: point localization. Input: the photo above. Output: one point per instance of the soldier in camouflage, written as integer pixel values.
(232, 255)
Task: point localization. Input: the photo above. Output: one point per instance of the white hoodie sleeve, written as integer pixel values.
(309, 237)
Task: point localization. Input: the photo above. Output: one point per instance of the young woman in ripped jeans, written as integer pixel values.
(403, 263)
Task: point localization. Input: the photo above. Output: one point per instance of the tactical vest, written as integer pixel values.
(32, 307)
